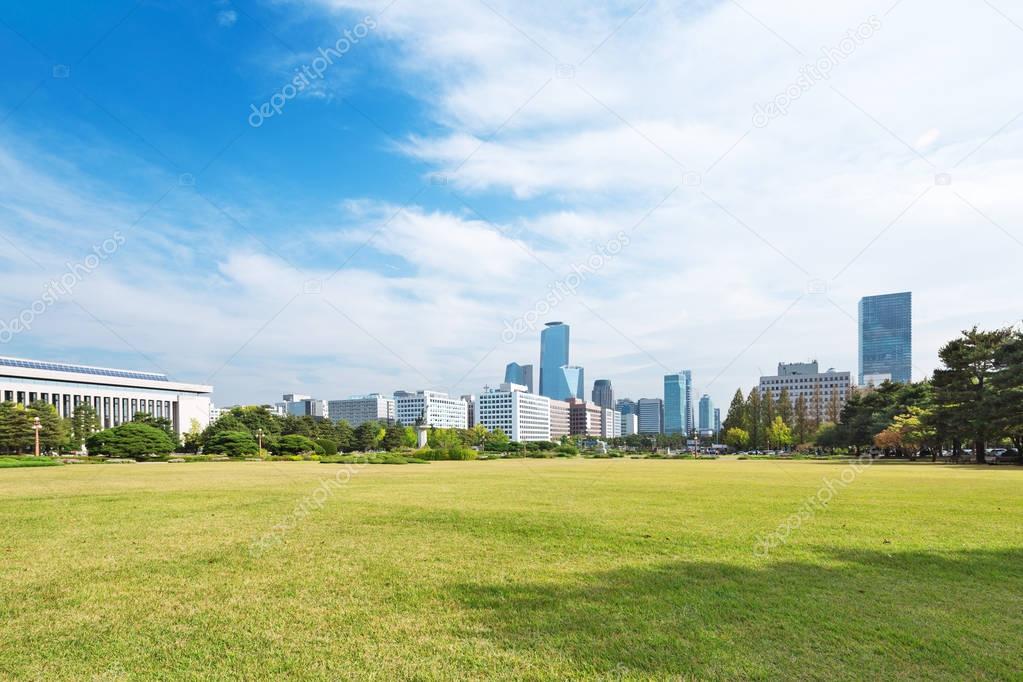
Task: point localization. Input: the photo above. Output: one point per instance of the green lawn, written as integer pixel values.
(518, 569)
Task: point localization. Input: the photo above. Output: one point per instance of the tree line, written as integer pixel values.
(974, 399)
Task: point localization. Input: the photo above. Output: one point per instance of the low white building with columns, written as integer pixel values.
(115, 394)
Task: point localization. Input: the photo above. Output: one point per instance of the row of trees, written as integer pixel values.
(974, 399)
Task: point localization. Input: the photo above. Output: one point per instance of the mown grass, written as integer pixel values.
(535, 569)
(14, 462)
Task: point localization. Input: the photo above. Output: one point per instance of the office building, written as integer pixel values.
(706, 413)
(603, 393)
(298, 405)
(586, 418)
(717, 420)
(360, 409)
(651, 415)
(886, 338)
(470, 404)
(523, 416)
(115, 394)
(818, 389)
(678, 392)
(514, 373)
(626, 406)
(610, 423)
(432, 408)
(558, 379)
(561, 419)
(630, 423)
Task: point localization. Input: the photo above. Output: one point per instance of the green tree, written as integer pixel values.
(754, 412)
(498, 438)
(84, 423)
(784, 409)
(16, 435)
(161, 423)
(367, 436)
(193, 437)
(1008, 384)
(736, 417)
(779, 435)
(964, 391)
(297, 444)
(132, 439)
(737, 438)
(394, 437)
(232, 444)
(801, 426)
(53, 434)
(834, 407)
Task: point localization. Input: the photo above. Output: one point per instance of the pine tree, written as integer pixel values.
(16, 434)
(754, 413)
(84, 423)
(736, 417)
(52, 435)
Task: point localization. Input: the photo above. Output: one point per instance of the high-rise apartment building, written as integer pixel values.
(603, 393)
(886, 338)
(651, 415)
(514, 373)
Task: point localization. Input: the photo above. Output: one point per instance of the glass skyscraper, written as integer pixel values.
(604, 393)
(514, 373)
(886, 338)
(706, 413)
(558, 379)
(678, 391)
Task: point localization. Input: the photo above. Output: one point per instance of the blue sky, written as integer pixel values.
(461, 161)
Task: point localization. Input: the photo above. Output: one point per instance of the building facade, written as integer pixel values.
(561, 419)
(610, 423)
(523, 416)
(824, 393)
(558, 379)
(651, 415)
(116, 395)
(586, 417)
(886, 338)
(514, 373)
(630, 423)
(706, 413)
(298, 405)
(717, 420)
(434, 408)
(604, 393)
(678, 392)
(360, 409)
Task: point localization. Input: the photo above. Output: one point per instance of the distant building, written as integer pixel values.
(515, 373)
(630, 423)
(561, 419)
(610, 423)
(470, 402)
(558, 379)
(651, 415)
(523, 416)
(818, 389)
(678, 395)
(298, 405)
(586, 417)
(886, 338)
(360, 409)
(434, 409)
(717, 420)
(603, 393)
(626, 406)
(706, 413)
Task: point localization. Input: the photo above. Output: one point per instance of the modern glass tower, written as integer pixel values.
(514, 373)
(651, 415)
(603, 393)
(886, 338)
(678, 412)
(558, 379)
(706, 413)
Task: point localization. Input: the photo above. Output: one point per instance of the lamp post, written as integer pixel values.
(37, 427)
(259, 435)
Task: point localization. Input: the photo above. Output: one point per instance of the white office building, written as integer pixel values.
(610, 423)
(115, 394)
(817, 388)
(522, 415)
(438, 410)
(630, 423)
(362, 408)
(298, 405)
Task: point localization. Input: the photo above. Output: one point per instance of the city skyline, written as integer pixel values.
(471, 206)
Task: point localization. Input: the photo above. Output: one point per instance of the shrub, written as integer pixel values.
(329, 447)
(295, 444)
(232, 444)
(130, 440)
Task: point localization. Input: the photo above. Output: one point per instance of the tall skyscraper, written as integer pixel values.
(717, 420)
(626, 406)
(651, 415)
(514, 373)
(558, 379)
(604, 393)
(886, 338)
(706, 413)
(678, 393)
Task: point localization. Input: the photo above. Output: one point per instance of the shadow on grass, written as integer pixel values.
(850, 614)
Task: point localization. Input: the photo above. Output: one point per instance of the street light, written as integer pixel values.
(259, 435)
(37, 427)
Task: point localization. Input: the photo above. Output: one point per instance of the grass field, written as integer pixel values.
(518, 569)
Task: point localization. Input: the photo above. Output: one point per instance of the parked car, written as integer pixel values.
(1001, 456)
